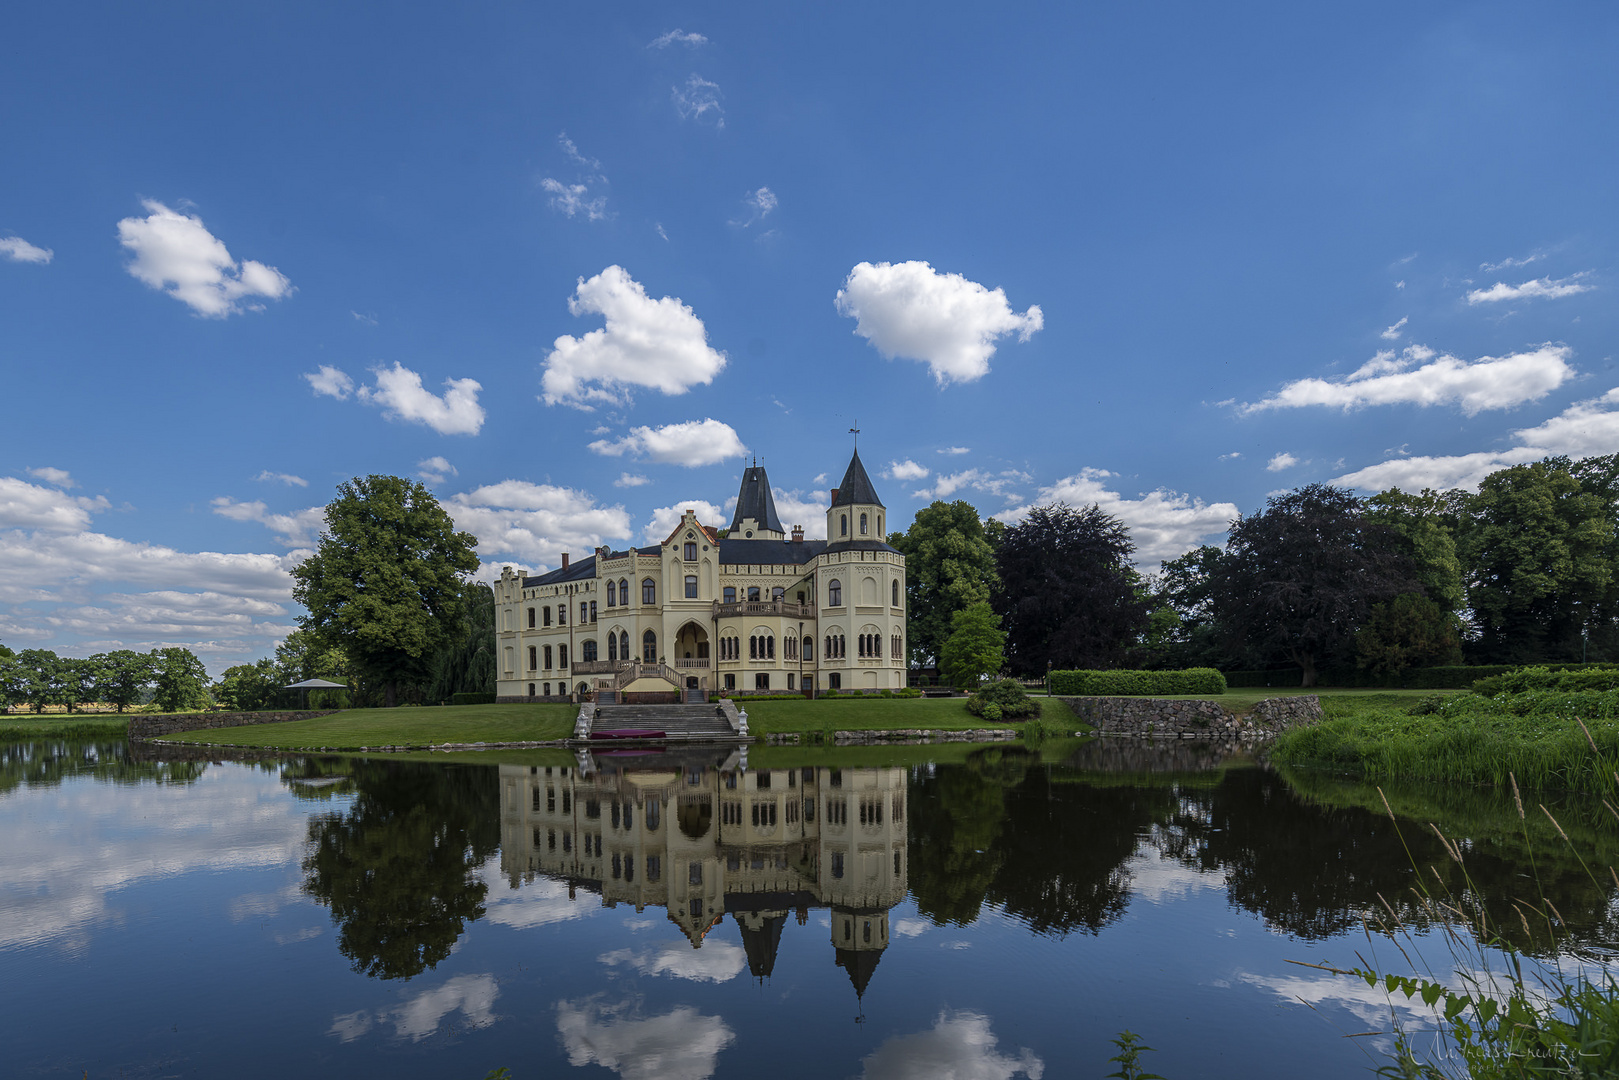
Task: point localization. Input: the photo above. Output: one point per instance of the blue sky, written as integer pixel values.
(569, 265)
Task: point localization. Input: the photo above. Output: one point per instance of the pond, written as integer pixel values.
(689, 916)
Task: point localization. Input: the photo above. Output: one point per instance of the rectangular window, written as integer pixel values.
(691, 552)
(730, 594)
(753, 593)
(531, 618)
(691, 586)
(593, 611)
(654, 867)
(694, 874)
(584, 611)
(533, 660)
(730, 680)
(547, 612)
(761, 681)
(562, 656)
(562, 614)
(790, 685)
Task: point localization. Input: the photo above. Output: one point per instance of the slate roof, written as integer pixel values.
(581, 570)
(769, 552)
(856, 486)
(755, 501)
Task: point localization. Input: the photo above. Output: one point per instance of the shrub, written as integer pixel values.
(909, 692)
(472, 699)
(1004, 700)
(1123, 683)
(1563, 680)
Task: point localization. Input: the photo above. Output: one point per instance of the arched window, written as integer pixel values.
(809, 649)
(834, 593)
(862, 524)
(691, 586)
(843, 524)
(612, 593)
(612, 646)
(649, 591)
(530, 689)
(777, 593)
(588, 650)
(649, 647)
(753, 647)
(624, 645)
(730, 594)
(533, 657)
(893, 589)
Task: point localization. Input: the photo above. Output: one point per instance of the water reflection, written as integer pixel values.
(705, 842)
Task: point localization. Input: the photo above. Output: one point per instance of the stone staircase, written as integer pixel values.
(685, 723)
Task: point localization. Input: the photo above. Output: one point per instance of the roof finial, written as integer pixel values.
(855, 431)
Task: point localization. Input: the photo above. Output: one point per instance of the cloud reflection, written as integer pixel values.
(681, 1044)
(714, 962)
(960, 1046)
(416, 1019)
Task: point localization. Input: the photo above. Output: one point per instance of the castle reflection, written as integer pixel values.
(704, 839)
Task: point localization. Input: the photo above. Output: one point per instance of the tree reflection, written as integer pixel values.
(398, 868)
(48, 762)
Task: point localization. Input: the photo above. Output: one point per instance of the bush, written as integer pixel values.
(909, 692)
(1004, 700)
(1125, 683)
(1563, 679)
(472, 699)
(1460, 677)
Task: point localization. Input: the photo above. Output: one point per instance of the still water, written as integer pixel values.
(689, 917)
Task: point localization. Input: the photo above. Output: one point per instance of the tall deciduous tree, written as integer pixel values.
(1067, 592)
(385, 583)
(949, 566)
(1536, 546)
(125, 675)
(1300, 577)
(976, 647)
(180, 681)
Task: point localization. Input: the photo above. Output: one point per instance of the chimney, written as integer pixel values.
(834, 496)
(798, 534)
(564, 560)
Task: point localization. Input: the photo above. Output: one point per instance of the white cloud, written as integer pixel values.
(176, 253)
(1281, 461)
(631, 480)
(905, 470)
(572, 150)
(676, 37)
(281, 478)
(716, 961)
(1507, 264)
(369, 320)
(956, 450)
(29, 506)
(665, 518)
(1488, 383)
(400, 394)
(533, 523)
(960, 1046)
(330, 382)
(658, 344)
(1163, 524)
(1538, 289)
(758, 205)
(575, 199)
(697, 99)
(796, 508)
(539, 902)
(910, 310)
(420, 1016)
(435, 470)
(1392, 333)
(997, 484)
(297, 530)
(682, 1044)
(659, 227)
(17, 249)
(1234, 455)
(690, 443)
(1584, 429)
(59, 477)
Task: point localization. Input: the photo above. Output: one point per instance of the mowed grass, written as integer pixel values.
(879, 714)
(417, 727)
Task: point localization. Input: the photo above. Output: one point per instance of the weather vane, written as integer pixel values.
(856, 433)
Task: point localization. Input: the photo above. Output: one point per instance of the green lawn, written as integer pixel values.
(57, 725)
(354, 728)
(876, 714)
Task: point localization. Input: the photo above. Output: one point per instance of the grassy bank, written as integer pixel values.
(94, 726)
(1464, 738)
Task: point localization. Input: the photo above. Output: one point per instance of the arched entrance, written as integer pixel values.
(689, 654)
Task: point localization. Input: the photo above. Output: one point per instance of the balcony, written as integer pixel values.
(782, 608)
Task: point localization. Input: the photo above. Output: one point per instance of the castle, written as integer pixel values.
(754, 611)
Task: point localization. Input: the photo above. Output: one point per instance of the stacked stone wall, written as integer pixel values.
(150, 727)
(1160, 718)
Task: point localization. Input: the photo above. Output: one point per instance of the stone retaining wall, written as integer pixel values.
(918, 736)
(1195, 719)
(150, 727)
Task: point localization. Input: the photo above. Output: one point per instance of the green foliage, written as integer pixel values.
(385, 584)
(1561, 679)
(467, 665)
(180, 681)
(1125, 683)
(126, 675)
(1067, 591)
(1408, 631)
(1129, 1058)
(1425, 525)
(949, 566)
(1003, 700)
(249, 687)
(975, 649)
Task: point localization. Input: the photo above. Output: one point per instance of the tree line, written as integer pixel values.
(1525, 570)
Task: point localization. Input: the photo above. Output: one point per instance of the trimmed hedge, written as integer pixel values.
(1459, 677)
(1126, 683)
(472, 699)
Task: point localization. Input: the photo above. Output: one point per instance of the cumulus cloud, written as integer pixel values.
(330, 382)
(290, 480)
(29, 506)
(17, 249)
(533, 523)
(176, 253)
(1281, 461)
(676, 36)
(631, 480)
(905, 470)
(435, 470)
(575, 199)
(657, 344)
(681, 1044)
(528, 904)
(959, 1046)
(1387, 379)
(698, 99)
(716, 961)
(956, 450)
(1163, 524)
(401, 396)
(1392, 333)
(756, 206)
(997, 484)
(809, 510)
(1584, 429)
(1538, 289)
(665, 518)
(59, 477)
(691, 443)
(951, 324)
(300, 529)
(420, 1016)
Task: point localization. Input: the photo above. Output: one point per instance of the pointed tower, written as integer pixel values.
(856, 512)
(755, 517)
